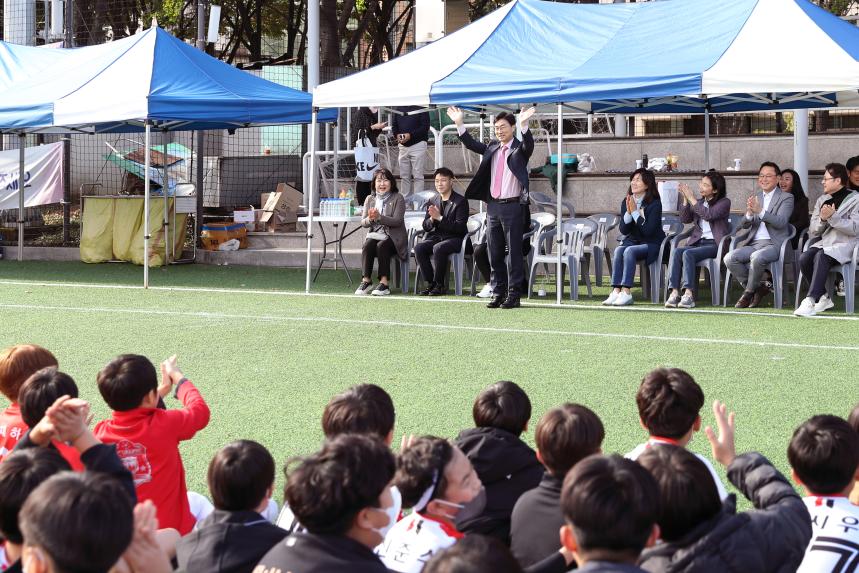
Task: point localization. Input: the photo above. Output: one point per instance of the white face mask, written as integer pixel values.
(392, 512)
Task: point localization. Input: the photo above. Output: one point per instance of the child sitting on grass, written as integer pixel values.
(146, 437)
(37, 394)
(17, 363)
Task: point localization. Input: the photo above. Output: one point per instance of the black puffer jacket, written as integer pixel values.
(507, 467)
(770, 538)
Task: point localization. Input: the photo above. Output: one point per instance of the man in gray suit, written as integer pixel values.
(766, 221)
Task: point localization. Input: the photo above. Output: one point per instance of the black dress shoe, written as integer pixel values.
(512, 301)
(496, 302)
(438, 290)
(427, 291)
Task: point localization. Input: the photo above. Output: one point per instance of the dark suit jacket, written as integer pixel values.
(517, 161)
(716, 214)
(647, 230)
(454, 219)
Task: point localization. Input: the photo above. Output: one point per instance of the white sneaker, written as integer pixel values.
(806, 308)
(364, 288)
(623, 299)
(485, 292)
(825, 303)
(611, 298)
(381, 290)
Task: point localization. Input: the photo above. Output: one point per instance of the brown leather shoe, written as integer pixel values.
(745, 300)
(760, 292)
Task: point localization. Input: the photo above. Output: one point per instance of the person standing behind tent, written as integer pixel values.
(412, 132)
(502, 182)
(366, 124)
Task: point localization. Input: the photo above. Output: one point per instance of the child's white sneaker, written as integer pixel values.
(806, 308)
(825, 303)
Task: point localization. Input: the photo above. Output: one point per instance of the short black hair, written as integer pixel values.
(566, 435)
(506, 116)
(838, 171)
(327, 489)
(363, 409)
(503, 405)
(420, 463)
(611, 503)
(41, 390)
(240, 476)
(126, 381)
(474, 554)
(852, 163)
(824, 453)
(669, 400)
(444, 171)
(83, 521)
(21, 473)
(770, 164)
(687, 493)
(853, 418)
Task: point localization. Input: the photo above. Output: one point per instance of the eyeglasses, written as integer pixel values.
(825, 179)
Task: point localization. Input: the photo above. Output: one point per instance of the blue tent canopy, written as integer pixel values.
(150, 77)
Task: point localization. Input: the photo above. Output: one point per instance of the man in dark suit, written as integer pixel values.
(446, 225)
(502, 182)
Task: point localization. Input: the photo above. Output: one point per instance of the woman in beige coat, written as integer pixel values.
(384, 215)
(835, 222)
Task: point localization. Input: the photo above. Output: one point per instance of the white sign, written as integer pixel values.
(43, 176)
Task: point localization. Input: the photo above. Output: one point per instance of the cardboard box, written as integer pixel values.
(244, 216)
(214, 234)
(280, 209)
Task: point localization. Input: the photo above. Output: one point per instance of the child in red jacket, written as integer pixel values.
(17, 363)
(147, 437)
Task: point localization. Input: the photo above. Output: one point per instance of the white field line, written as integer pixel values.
(434, 300)
(423, 326)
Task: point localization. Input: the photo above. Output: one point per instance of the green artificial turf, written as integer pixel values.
(267, 358)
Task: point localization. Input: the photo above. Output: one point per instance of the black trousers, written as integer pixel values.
(504, 229)
(481, 259)
(383, 250)
(362, 191)
(432, 256)
(815, 265)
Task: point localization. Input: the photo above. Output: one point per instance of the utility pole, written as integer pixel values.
(200, 135)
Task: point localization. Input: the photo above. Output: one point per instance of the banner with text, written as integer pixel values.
(43, 176)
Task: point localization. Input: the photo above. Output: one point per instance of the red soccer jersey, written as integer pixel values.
(12, 429)
(147, 442)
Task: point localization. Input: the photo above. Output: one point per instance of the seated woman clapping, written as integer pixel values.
(835, 222)
(641, 225)
(710, 216)
(384, 215)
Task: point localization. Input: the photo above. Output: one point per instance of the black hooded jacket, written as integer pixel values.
(507, 467)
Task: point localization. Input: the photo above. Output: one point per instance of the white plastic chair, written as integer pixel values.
(456, 259)
(599, 241)
(846, 270)
(575, 233)
(776, 269)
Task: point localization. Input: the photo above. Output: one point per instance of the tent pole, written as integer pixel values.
(348, 128)
(147, 163)
(707, 137)
(800, 145)
(22, 173)
(559, 235)
(336, 149)
(311, 185)
(482, 136)
(165, 189)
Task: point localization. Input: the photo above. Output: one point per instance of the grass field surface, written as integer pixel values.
(267, 357)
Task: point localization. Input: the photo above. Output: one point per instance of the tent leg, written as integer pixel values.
(482, 139)
(147, 164)
(707, 138)
(559, 235)
(22, 173)
(165, 190)
(800, 145)
(311, 187)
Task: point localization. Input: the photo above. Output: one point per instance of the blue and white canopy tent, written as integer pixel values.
(151, 80)
(668, 56)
